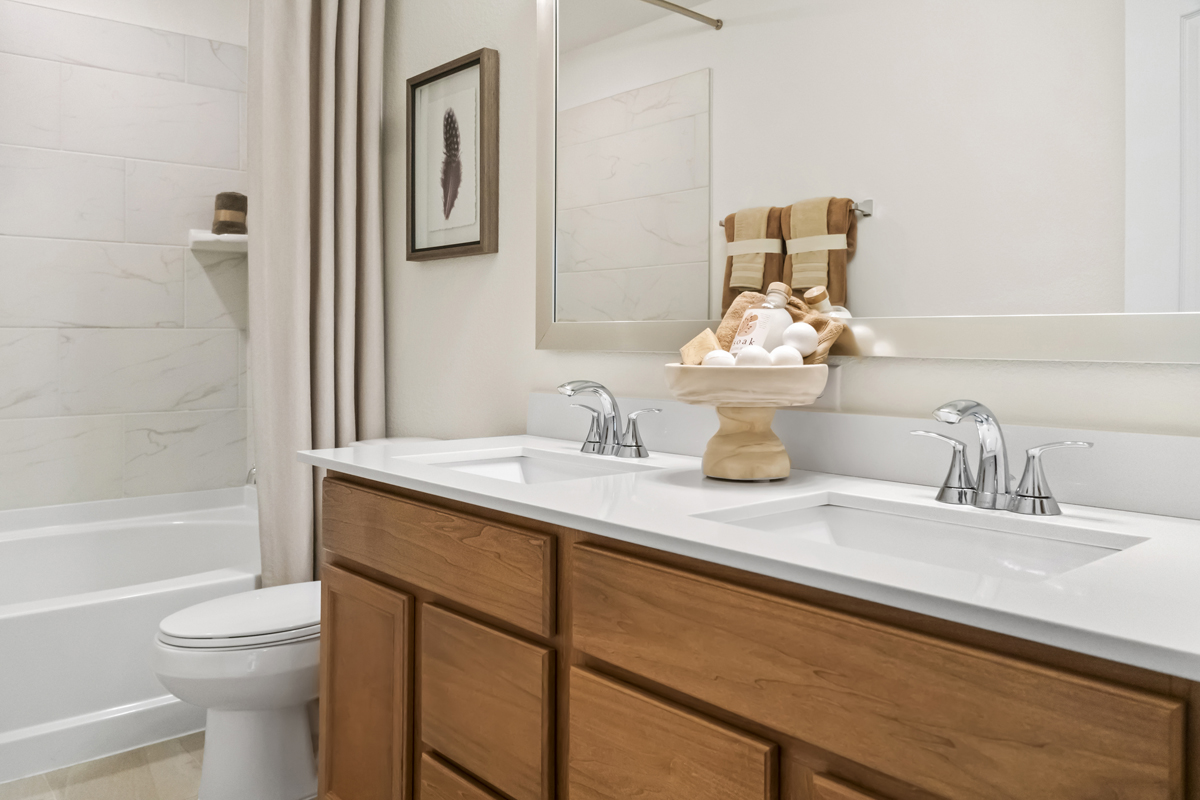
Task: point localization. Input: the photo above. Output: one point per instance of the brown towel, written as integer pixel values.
(230, 213)
(828, 328)
(751, 271)
(805, 219)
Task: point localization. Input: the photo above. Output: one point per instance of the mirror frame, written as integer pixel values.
(1158, 338)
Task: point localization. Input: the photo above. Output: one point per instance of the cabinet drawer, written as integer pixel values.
(440, 782)
(486, 702)
(828, 789)
(628, 744)
(501, 571)
(955, 721)
(366, 678)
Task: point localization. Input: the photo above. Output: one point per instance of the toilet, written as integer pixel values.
(251, 660)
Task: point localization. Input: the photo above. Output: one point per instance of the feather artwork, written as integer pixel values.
(451, 164)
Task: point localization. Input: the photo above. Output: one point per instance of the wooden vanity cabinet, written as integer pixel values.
(953, 720)
(511, 659)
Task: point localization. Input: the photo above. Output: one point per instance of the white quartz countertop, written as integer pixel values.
(1136, 606)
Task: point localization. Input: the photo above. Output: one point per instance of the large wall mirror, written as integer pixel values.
(1033, 167)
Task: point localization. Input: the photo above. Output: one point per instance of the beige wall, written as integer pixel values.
(461, 332)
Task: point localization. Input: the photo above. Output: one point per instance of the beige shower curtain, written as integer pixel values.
(316, 255)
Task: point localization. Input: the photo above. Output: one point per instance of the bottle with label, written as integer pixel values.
(764, 323)
(817, 299)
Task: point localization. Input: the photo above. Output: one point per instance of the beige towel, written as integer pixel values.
(808, 222)
(821, 236)
(755, 249)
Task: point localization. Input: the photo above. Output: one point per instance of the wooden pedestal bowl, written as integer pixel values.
(745, 448)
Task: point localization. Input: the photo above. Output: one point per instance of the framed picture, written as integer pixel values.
(453, 158)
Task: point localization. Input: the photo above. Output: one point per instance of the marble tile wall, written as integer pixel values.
(633, 204)
(122, 352)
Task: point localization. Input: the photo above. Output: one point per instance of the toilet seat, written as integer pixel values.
(266, 617)
(241, 642)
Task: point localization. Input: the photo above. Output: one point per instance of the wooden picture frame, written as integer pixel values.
(457, 179)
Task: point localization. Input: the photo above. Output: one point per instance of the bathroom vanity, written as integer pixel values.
(646, 632)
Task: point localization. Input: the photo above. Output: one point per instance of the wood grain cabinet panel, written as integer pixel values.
(441, 782)
(955, 721)
(500, 571)
(824, 788)
(628, 744)
(486, 702)
(366, 680)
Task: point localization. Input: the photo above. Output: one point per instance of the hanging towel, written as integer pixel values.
(754, 251)
(821, 235)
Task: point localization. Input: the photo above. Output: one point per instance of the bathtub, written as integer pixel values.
(82, 590)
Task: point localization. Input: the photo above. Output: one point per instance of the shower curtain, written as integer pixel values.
(316, 256)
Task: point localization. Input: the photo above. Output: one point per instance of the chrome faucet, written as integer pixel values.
(993, 488)
(993, 484)
(610, 414)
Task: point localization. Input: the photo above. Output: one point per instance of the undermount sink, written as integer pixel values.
(981, 547)
(528, 464)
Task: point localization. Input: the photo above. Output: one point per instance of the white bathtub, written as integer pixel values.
(82, 590)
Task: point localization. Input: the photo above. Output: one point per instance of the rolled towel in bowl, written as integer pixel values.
(754, 252)
(820, 237)
(828, 328)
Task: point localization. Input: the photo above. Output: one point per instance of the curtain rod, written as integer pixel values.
(687, 12)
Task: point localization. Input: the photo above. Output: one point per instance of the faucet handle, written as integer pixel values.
(631, 444)
(591, 444)
(958, 488)
(1033, 494)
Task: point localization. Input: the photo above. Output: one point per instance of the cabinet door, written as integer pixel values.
(824, 788)
(628, 744)
(486, 702)
(366, 685)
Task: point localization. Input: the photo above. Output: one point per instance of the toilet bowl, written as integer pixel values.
(251, 660)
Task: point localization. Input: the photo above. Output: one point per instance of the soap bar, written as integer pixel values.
(693, 352)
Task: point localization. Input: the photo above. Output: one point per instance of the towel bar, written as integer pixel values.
(864, 207)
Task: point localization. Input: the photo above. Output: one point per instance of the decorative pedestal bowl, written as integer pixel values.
(745, 448)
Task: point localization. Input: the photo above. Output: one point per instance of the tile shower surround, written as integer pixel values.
(122, 353)
(633, 204)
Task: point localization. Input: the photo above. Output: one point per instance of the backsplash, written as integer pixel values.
(635, 247)
(122, 352)
(1141, 472)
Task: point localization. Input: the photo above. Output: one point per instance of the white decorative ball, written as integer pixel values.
(753, 356)
(717, 358)
(801, 336)
(785, 356)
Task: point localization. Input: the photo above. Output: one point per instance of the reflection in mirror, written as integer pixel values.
(1025, 157)
(633, 204)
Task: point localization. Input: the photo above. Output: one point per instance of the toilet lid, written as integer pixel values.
(277, 614)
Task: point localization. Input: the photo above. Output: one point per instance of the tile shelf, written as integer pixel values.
(222, 243)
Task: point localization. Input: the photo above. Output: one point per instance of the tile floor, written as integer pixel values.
(164, 771)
